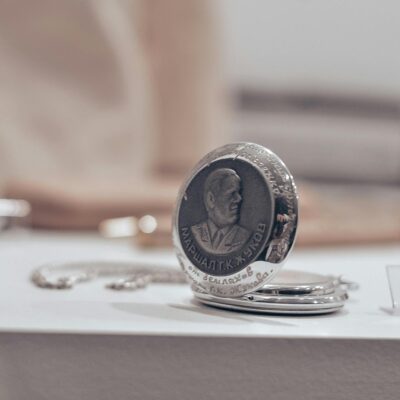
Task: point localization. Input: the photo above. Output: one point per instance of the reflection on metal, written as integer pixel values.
(12, 210)
(147, 224)
(147, 231)
(127, 226)
(119, 227)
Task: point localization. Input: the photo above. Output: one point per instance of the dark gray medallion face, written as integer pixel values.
(225, 217)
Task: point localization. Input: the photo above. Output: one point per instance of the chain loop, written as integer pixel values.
(135, 275)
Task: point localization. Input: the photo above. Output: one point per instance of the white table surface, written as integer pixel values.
(169, 310)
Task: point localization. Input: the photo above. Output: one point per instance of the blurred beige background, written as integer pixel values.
(106, 105)
(106, 90)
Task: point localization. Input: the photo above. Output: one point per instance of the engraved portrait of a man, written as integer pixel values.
(221, 232)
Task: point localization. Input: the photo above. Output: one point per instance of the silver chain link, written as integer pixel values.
(133, 276)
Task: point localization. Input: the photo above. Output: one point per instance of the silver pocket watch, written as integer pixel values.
(234, 226)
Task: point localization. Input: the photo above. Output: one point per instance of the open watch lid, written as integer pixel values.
(235, 221)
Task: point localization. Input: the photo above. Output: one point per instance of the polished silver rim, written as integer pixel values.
(269, 310)
(334, 300)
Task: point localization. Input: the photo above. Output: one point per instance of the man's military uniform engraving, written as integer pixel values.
(221, 233)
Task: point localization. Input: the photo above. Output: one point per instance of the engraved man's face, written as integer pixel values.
(224, 206)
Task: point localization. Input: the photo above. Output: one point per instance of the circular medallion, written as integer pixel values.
(235, 220)
(225, 217)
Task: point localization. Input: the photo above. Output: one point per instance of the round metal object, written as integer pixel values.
(235, 220)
